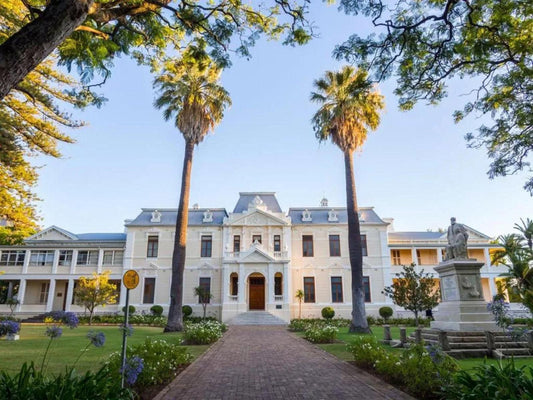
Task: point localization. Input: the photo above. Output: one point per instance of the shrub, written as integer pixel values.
(162, 361)
(420, 371)
(204, 332)
(366, 351)
(496, 382)
(324, 334)
(385, 312)
(130, 308)
(30, 383)
(186, 310)
(156, 310)
(297, 325)
(328, 313)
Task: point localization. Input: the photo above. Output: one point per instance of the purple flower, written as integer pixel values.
(53, 331)
(68, 318)
(132, 369)
(9, 327)
(96, 338)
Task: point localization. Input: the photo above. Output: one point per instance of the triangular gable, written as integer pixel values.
(473, 234)
(53, 233)
(256, 255)
(257, 217)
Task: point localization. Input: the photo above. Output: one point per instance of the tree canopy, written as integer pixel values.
(90, 33)
(426, 43)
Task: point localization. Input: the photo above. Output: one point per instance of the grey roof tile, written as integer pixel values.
(416, 235)
(169, 215)
(268, 198)
(320, 215)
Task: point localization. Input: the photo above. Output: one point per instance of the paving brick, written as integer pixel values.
(268, 362)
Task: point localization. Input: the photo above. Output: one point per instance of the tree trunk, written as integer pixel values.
(205, 310)
(27, 48)
(300, 309)
(175, 315)
(359, 323)
(416, 318)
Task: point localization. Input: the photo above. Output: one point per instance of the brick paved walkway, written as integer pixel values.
(267, 362)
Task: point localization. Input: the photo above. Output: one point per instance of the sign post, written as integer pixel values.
(130, 279)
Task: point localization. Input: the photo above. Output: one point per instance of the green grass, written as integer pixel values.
(339, 349)
(64, 350)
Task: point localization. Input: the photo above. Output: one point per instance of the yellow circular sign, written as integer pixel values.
(130, 279)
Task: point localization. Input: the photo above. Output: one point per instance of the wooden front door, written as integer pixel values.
(257, 293)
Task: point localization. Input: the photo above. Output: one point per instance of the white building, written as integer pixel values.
(254, 258)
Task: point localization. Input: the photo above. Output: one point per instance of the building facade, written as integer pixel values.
(254, 258)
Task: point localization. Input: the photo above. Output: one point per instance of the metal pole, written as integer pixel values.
(124, 334)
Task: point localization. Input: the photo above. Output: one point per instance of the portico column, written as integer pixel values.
(70, 293)
(26, 262)
(270, 273)
(439, 255)
(242, 284)
(21, 293)
(100, 261)
(413, 256)
(51, 293)
(493, 288)
(487, 257)
(74, 260)
(55, 262)
(10, 289)
(225, 283)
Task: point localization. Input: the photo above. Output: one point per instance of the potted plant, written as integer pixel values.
(10, 329)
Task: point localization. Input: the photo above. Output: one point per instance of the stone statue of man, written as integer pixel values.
(457, 238)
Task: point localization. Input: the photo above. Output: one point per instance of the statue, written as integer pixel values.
(457, 238)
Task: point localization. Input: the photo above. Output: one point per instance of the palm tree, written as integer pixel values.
(300, 296)
(191, 95)
(349, 107)
(526, 229)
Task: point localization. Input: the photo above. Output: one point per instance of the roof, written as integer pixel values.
(101, 236)
(320, 215)
(416, 235)
(54, 234)
(268, 198)
(169, 216)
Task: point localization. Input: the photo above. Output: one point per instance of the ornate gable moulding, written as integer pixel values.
(208, 216)
(306, 216)
(156, 216)
(333, 216)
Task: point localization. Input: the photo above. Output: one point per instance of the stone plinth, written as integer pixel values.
(463, 307)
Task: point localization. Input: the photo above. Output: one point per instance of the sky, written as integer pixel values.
(415, 168)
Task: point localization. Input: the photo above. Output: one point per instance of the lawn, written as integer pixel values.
(339, 349)
(65, 350)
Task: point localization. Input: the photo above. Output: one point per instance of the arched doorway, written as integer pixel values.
(256, 294)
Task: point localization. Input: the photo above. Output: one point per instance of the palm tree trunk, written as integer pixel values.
(359, 323)
(175, 315)
(27, 48)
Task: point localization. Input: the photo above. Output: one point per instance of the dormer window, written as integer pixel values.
(306, 216)
(156, 216)
(208, 216)
(333, 216)
(360, 217)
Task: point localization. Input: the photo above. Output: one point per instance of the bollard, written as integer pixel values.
(386, 334)
(443, 341)
(418, 335)
(403, 335)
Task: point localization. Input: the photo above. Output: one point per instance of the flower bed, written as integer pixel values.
(203, 332)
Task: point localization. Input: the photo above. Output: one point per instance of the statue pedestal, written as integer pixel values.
(463, 307)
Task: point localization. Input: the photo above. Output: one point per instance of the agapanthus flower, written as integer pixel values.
(96, 338)
(53, 331)
(9, 327)
(63, 317)
(132, 368)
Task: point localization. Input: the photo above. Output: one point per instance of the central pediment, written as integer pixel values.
(257, 217)
(255, 255)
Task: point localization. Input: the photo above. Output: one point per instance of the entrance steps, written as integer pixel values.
(476, 344)
(256, 318)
